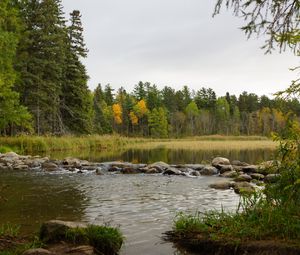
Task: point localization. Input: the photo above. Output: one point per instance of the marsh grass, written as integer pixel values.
(29, 144)
(255, 219)
(105, 240)
(9, 230)
(208, 145)
(35, 144)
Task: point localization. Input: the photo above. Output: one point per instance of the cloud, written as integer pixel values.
(176, 43)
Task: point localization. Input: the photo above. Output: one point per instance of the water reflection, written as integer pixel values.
(34, 198)
(171, 156)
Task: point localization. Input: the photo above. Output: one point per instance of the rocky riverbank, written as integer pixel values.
(240, 176)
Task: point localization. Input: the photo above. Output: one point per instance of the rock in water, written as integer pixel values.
(220, 161)
(221, 185)
(209, 170)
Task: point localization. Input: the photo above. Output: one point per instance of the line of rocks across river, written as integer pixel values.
(238, 175)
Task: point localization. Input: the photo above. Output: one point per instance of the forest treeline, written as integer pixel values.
(43, 88)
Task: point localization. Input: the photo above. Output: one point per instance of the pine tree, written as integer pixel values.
(41, 62)
(12, 114)
(76, 102)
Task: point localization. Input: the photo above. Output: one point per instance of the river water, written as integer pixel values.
(143, 206)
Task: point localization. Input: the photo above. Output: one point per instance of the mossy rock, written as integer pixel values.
(104, 239)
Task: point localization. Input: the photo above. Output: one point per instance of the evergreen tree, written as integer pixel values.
(158, 123)
(41, 63)
(76, 103)
(108, 95)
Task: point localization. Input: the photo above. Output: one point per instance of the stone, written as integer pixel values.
(220, 161)
(82, 250)
(196, 167)
(172, 171)
(49, 166)
(257, 176)
(151, 171)
(239, 163)
(74, 162)
(195, 173)
(209, 170)
(113, 169)
(221, 185)
(161, 166)
(250, 169)
(21, 167)
(230, 174)
(38, 251)
(54, 230)
(243, 178)
(243, 187)
(224, 168)
(130, 170)
(271, 178)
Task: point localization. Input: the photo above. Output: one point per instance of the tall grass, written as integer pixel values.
(29, 144)
(258, 220)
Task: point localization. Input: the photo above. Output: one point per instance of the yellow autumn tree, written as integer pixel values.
(134, 119)
(117, 111)
(140, 108)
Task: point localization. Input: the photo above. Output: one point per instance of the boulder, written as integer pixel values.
(243, 178)
(195, 173)
(230, 174)
(243, 187)
(49, 166)
(38, 251)
(55, 230)
(221, 185)
(151, 171)
(224, 168)
(250, 169)
(209, 170)
(271, 178)
(81, 250)
(220, 161)
(172, 171)
(257, 176)
(239, 163)
(130, 170)
(196, 167)
(161, 166)
(21, 167)
(73, 162)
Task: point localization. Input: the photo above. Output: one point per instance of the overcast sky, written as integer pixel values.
(176, 43)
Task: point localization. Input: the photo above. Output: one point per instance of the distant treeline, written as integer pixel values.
(43, 88)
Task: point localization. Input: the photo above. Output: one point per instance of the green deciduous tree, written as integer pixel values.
(12, 114)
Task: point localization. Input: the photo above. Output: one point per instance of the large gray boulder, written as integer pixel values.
(220, 161)
(71, 162)
(243, 178)
(160, 166)
(224, 168)
(272, 178)
(49, 166)
(221, 185)
(209, 170)
(230, 174)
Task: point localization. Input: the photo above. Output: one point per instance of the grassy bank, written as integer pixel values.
(29, 144)
(34, 144)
